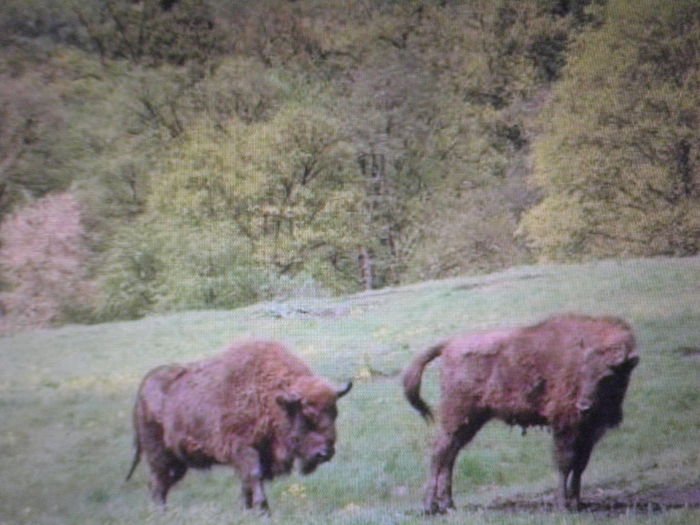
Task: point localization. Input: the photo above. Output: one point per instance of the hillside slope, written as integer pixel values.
(66, 396)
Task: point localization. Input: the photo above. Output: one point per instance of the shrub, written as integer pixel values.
(156, 265)
(44, 259)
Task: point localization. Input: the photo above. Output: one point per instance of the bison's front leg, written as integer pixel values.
(247, 464)
(583, 450)
(438, 496)
(572, 450)
(254, 495)
(564, 454)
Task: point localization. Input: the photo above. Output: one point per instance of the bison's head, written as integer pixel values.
(310, 406)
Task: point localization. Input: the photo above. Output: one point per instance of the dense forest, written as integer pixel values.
(182, 154)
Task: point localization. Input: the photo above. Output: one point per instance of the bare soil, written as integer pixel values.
(607, 502)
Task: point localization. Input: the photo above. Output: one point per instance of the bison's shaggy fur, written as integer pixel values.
(255, 407)
(569, 372)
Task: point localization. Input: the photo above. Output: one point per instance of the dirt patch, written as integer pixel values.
(281, 310)
(688, 351)
(653, 501)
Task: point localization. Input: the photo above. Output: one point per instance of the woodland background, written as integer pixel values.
(187, 154)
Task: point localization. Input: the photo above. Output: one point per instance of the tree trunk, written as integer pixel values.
(364, 262)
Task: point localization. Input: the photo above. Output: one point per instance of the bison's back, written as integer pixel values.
(531, 375)
(504, 374)
(223, 401)
(247, 375)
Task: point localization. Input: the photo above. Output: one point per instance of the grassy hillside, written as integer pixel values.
(66, 397)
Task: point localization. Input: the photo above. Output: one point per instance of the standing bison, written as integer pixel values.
(255, 407)
(569, 372)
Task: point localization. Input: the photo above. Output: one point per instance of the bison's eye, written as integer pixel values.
(309, 423)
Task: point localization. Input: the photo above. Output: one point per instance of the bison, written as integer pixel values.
(569, 372)
(255, 407)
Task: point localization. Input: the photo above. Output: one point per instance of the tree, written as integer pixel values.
(151, 32)
(285, 184)
(618, 157)
(439, 111)
(240, 213)
(28, 115)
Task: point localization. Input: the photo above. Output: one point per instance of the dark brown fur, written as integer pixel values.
(255, 407)
(569, 372)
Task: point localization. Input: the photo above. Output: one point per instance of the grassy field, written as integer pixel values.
(66, 398)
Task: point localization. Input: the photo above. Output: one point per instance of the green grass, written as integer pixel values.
(66, 397)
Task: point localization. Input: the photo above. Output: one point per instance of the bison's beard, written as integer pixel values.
(307, 466)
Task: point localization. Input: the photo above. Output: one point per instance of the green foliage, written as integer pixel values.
(129, 283)
(235, 214)
(156, 266)
(241, 87)
(287, 187)
(71, 123)
(349, 144)
(617, 159)
(439, 109)
(151, 32)
(471, 233)
(47, 22)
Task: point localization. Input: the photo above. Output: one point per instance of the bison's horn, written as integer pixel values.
(340, 393)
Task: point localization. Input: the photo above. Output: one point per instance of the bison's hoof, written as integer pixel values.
(438, 507)
(574, 506)
(570, 505)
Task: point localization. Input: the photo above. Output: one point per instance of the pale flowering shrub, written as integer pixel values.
(44, 262)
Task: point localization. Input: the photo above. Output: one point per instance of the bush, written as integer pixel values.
(152, 32)
(44, 258)
(156, 266)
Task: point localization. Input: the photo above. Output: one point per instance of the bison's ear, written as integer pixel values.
(342, 391)
(290, 402)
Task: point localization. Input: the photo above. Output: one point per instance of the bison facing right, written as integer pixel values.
(255, 407)
(569, 372)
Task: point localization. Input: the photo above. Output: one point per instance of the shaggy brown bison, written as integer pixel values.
(255, 407)
(569, 372)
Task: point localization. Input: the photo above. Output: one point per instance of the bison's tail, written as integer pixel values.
(137, 458)
(137, 440)
(134, 464)
(412, 379)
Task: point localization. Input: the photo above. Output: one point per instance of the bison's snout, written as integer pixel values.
(313, 460)
(325, 454)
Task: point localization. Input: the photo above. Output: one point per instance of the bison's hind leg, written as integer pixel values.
(438, 496)
(166, 471)
(165, 468)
